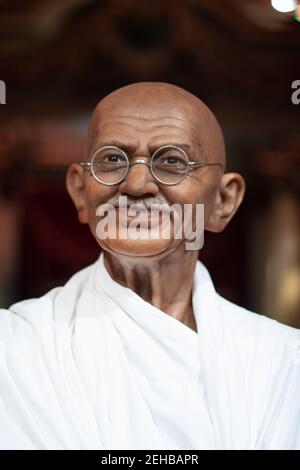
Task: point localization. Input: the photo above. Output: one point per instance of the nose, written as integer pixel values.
(139, 181)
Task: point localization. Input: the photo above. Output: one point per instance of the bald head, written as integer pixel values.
(146, 101)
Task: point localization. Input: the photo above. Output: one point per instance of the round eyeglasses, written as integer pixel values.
(168, 164)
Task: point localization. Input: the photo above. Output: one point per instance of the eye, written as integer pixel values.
(172, 160)
(112, 158)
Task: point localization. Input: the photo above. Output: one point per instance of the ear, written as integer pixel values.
(228, 199)
(75, 182)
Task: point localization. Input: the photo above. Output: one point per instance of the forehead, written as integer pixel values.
(141, 125)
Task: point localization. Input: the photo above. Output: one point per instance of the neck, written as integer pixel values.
(166, 283)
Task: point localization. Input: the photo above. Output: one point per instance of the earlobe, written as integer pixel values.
(228, 199)
(76, 188)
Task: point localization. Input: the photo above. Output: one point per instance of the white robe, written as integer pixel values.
(91, 365)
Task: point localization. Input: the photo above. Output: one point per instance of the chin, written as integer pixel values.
(137, 248)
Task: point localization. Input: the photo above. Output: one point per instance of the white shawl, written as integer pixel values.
(91, 365)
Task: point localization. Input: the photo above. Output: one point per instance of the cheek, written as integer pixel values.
(96, 194)
(186, 192)
(193, 191)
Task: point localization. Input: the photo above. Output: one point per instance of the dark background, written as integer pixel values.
(58, 58)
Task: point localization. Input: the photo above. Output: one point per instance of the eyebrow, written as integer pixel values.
(130, 148)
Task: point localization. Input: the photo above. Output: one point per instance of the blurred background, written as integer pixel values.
(58, 58)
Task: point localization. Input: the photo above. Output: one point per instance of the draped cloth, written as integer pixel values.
(91, 365)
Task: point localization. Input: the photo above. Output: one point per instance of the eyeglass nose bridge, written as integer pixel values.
(140, 160)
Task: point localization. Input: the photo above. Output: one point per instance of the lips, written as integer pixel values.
(141, 209)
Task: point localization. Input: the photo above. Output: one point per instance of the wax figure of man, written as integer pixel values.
(138, 350)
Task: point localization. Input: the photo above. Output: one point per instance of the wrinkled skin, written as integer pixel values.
(139, 118)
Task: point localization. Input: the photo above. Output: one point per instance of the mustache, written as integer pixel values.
(147, 202)
(157, 203)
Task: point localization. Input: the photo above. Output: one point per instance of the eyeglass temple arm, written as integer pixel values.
(196, 164)
(205, 163)
(85, 165)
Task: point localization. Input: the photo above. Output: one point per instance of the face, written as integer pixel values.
(140, 135)
(139, 130)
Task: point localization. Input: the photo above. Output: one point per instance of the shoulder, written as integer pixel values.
(243, 318)
(36, 315)
(260, 338)
(241, 321)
